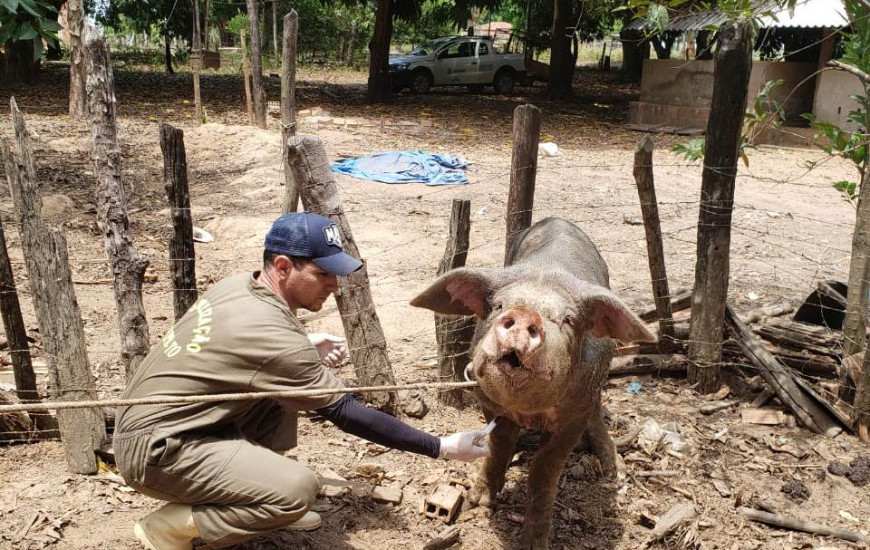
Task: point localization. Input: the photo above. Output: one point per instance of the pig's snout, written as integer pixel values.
(519, 332)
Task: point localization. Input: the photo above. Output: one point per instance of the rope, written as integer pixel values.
(221, 397)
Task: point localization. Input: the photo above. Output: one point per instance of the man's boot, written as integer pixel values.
(309, 522)
(170, 527)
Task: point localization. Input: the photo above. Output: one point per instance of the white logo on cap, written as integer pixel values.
(332, 235)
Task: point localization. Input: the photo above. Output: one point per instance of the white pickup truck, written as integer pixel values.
(460, 61)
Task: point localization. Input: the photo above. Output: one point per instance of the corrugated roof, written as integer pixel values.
(807, 14)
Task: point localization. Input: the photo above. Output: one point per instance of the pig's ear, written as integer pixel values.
(461, 291)
(607, 317)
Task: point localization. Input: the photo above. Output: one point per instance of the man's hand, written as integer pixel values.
(465, 446)
(331, 349)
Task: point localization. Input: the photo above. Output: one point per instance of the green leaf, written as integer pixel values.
(11, 5)
(28, 33)
(50, 25)
(31, 7)
(657, 16)
(744, 158)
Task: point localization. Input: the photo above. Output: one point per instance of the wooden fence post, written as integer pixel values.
(524, 167)
(288, 105)
(196, 63)
(453, 333)
(246, 74)
(730, 83)
(78, 100)
(646, 191)
(128, 267)
(60, 322)
(257, 65)
(19, 349)
(182, 254)
(368, 347)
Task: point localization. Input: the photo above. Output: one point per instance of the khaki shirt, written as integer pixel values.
(238, 337)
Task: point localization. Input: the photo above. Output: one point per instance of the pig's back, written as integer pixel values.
(554, 243)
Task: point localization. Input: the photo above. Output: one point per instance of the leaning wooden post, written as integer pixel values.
(524, 167)
(288, 105)
(453, 333)
(362, 328)
(128, 267)
(246, 74)
(257, 65)
(649, 207)
(16, 336)
(730, 82)
(196, 62)
(182, 255)
(57, 311)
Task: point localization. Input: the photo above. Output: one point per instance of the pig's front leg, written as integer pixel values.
(601, 443)
(543, 479)
(490, 479)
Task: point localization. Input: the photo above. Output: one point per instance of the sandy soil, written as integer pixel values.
(791, 229)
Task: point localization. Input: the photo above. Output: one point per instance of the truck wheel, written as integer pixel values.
(504, 81)
(421, 82)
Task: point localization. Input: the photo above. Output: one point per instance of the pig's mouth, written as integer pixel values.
(512, 360)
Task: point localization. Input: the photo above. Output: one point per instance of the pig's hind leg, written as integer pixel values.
(490, 479)
(542, 484)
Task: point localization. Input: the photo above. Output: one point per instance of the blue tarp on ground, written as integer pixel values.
(406, 167)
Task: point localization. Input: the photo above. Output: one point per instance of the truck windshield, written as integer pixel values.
(428, 48)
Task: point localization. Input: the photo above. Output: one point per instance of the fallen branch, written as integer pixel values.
(781, 380)
(796, 524)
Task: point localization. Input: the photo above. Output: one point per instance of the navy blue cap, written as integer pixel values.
(308, 235)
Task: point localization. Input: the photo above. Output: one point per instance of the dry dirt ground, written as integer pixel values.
(791, 228)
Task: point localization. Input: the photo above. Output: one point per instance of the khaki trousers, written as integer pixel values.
(238, 485)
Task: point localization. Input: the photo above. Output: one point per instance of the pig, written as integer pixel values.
(540, 354)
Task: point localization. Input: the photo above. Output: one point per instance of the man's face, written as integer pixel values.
(307, 286)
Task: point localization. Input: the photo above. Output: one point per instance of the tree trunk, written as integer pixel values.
(632, 58)
(275, 29)
(196, 63)
(246, 74)
(182, 254)
(205, 35)
(167, 52)
(288, 106)
(20, 66)
(561, 66)
(128, 267)
(257, 65)
(663, 45)
(368, 347)
(703, 47)
(861, 416)
(379, 90)
(859, 270)
(730, 85)
(16, 336)
(60, 321)
(78, 100)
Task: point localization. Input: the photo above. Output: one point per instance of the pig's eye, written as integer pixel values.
(497, 306)
(569, 320)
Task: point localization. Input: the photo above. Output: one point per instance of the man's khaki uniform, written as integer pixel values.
(219, 457)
